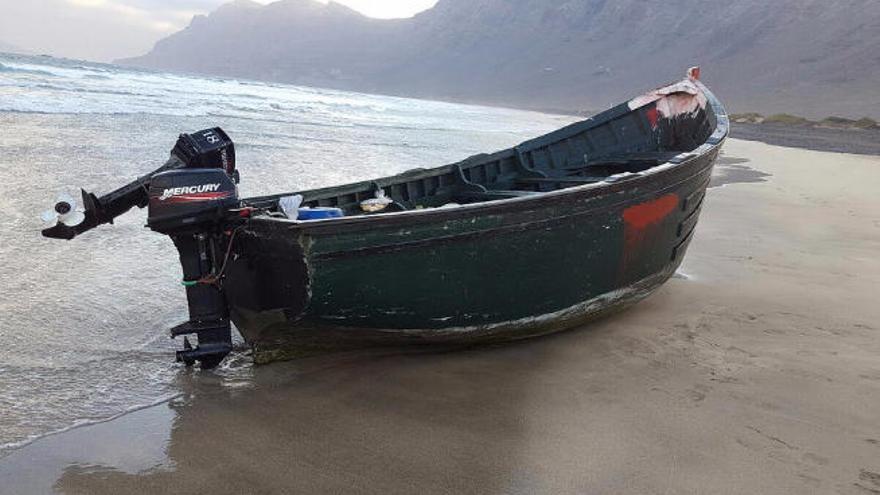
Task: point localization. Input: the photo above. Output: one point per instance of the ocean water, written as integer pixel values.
(83, 324)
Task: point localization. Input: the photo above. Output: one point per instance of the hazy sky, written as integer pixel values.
(103, 30)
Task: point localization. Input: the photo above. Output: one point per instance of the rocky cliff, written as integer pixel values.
(810, 57)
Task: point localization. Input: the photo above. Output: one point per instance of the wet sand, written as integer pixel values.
(818, 138)
(755, 371)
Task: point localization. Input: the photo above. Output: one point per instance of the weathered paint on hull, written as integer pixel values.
(464, 276)
(285, 341)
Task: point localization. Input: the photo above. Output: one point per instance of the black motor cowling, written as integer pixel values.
(190, 200)
(210, 148)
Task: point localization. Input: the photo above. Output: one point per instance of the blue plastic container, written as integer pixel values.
(318, 213)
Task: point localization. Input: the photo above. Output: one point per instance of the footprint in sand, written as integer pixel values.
(816, 459)
(869, 481)
(698, 393)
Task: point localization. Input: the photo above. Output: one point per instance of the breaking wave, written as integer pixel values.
(21, 70)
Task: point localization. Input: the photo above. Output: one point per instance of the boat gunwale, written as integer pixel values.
(682, 160)
(513, 227)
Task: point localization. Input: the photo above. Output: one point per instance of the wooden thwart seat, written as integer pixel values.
(653, 157)
(559, 180)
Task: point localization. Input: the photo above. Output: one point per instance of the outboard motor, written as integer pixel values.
(193, 198)
(190, 205)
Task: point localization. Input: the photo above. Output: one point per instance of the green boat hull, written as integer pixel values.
(482, 272)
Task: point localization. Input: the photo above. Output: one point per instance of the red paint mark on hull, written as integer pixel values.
(644, 214)
(641, 222)
(653, 116)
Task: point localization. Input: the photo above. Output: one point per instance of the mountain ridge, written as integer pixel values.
(800, 56)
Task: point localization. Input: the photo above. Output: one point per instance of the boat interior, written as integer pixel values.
(608, 147)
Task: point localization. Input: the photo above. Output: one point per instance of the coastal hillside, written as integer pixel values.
(809, 57)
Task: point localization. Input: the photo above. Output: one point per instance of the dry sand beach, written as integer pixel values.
(757, 371)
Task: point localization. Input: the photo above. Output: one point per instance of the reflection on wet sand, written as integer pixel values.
(453, 421)
(132, 444)
(730, 170)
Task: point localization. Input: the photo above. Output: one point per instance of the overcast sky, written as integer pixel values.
(104, 30)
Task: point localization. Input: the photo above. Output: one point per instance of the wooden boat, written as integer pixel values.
(538, 238)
